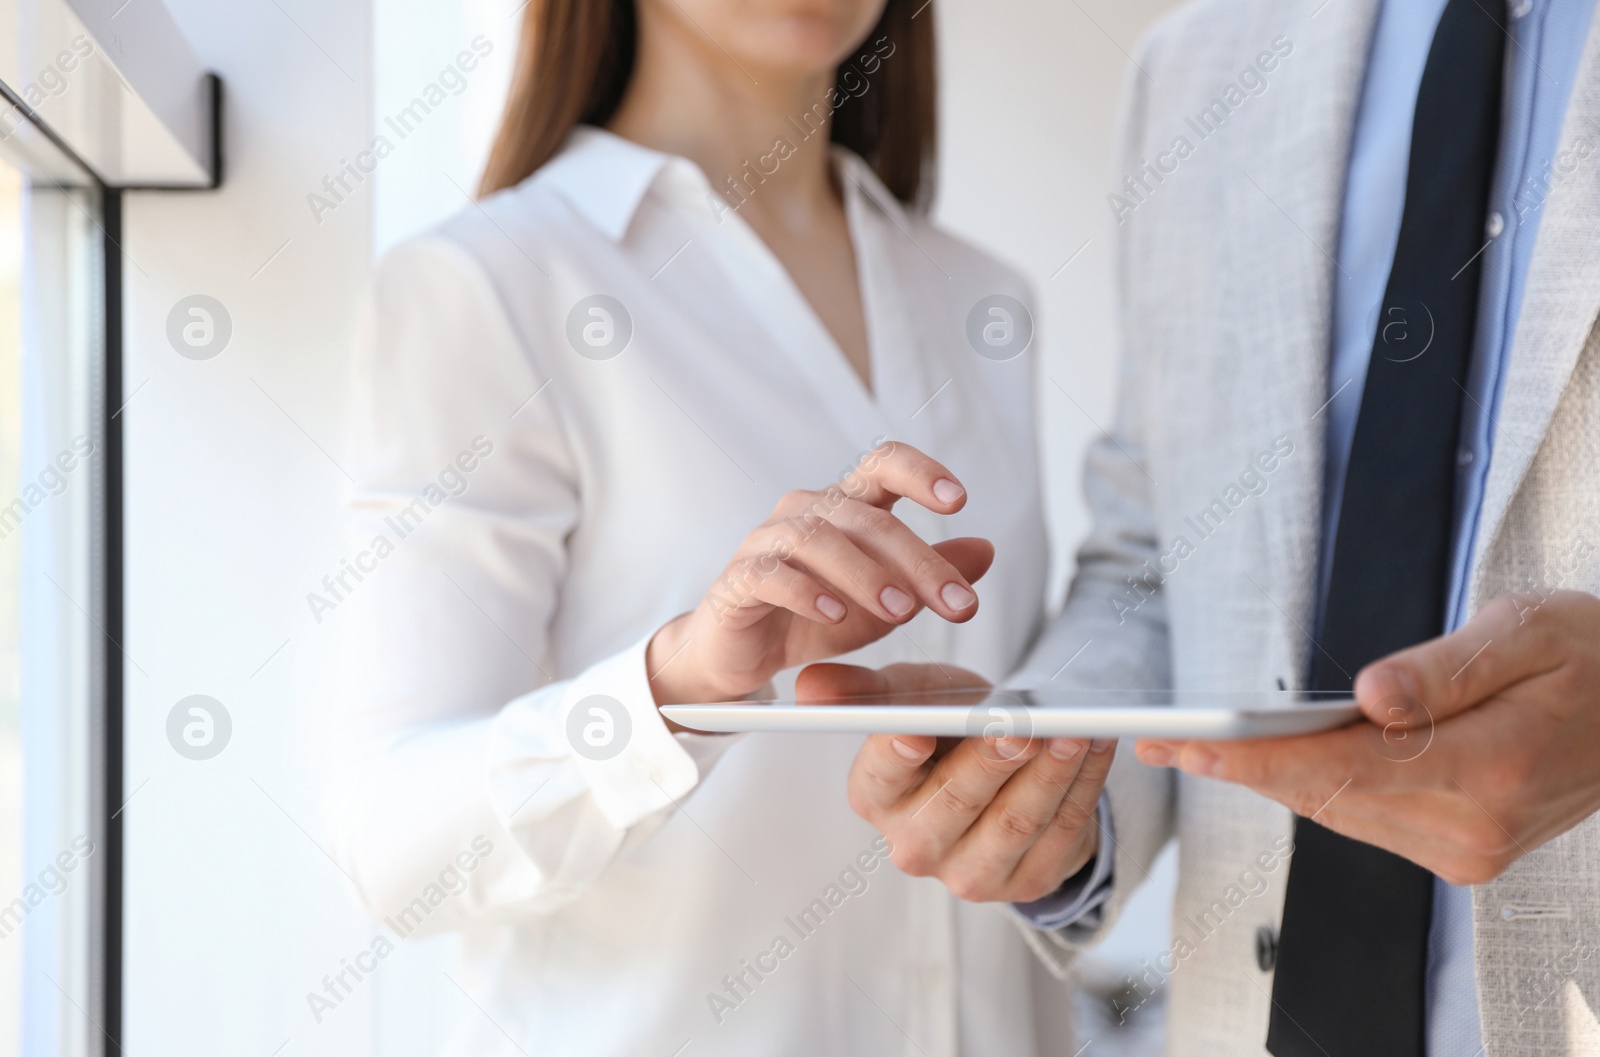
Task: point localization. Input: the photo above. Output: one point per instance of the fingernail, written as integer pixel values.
(1012, 748)
(1065, 748)
(947, 491)
(906, 749)
(1199, 760)
(957, 597)
(1102, 744)
(1156, 755)
(895, 601)
(830, 607)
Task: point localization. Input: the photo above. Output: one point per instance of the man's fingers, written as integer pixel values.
(1274, 765)
(1059, 851)
(1304, 772)
(960, 787)
(888, 766)
(1020, 815)
(1301, 765)
(1325, 778)
(1509, 640)
(887, 769)
(1084, 793)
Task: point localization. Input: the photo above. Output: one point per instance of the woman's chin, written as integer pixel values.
(795, 47)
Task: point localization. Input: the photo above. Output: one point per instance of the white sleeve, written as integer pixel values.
(456, 766)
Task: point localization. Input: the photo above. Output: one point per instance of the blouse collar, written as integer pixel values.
(606, 178)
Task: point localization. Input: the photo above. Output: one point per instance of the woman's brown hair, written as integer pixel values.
(576, 56)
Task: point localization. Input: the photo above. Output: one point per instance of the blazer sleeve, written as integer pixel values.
(464, 768)
(1112, 629)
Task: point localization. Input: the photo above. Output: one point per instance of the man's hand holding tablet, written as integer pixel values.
(1480, 745)
(1475, 748)
(994, 819)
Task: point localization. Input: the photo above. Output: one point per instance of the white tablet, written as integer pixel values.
(1038, 714)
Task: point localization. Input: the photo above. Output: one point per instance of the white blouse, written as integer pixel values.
(573, 401)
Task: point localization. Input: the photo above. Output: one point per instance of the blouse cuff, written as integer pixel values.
(633, 764)
(608, 728)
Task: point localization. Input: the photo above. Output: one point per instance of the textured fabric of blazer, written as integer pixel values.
(1206, 494)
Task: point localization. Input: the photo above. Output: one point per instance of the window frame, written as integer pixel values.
(187, 151)
(104, 608)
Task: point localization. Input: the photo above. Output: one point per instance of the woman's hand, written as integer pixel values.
(828, 572)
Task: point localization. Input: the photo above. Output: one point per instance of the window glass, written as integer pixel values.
(51, 556)
(10, 602)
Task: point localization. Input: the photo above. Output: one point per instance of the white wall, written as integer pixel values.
(235, 912)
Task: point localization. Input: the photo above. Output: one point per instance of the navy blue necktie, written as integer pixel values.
(1352, 960)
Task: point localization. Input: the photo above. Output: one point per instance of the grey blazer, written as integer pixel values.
(1209, 484)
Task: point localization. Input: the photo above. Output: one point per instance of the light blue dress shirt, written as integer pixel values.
(1545, 44)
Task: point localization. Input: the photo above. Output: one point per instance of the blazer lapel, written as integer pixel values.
(1288, 294)
(1558, 311)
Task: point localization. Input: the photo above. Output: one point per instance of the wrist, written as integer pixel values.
(663, 661)
(1090, 850)
(1081, 864)
(676, 674)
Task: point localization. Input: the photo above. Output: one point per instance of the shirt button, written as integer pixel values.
(1464, 457)
(1266, 948)
(1520, 8)
(1496, 225)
